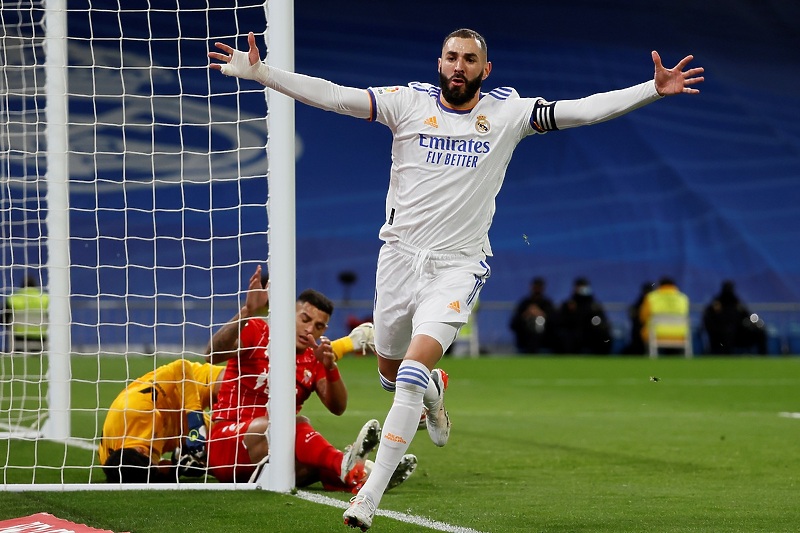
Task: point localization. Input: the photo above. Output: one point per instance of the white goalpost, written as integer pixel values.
(139, 190)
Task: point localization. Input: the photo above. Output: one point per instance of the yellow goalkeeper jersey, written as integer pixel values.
(151, 412)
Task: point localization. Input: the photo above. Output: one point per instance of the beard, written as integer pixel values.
(460, 95)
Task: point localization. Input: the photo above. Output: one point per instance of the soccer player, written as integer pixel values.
(451, 146)
(151, 416)
(238, 441)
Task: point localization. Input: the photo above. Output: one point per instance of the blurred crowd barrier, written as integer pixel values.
(185, 326)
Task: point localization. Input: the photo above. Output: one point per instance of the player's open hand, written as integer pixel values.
(322, 351)
(675, 80)
(236, 63)
(257, 296)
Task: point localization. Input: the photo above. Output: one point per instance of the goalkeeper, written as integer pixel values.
(238, 442)
(159, 412)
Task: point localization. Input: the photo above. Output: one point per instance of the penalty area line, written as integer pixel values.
(789, 415)
(401, 517)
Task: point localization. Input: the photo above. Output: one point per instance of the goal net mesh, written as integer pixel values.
(166, 208)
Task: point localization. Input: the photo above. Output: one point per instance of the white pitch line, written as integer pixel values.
(402, 517)
(789, 415)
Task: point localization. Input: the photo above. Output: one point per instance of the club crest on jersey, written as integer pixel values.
(482, 124)
(386, 90)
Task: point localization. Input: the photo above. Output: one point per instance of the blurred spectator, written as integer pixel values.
(25, 315)
(583, 324)
(666, 299)
(730, 326)
(636, 346)
(534, 320)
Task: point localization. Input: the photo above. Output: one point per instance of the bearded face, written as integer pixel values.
(462, 91)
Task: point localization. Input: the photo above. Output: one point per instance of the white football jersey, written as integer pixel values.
(447, 165)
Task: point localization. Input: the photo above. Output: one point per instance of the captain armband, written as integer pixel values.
(543, 116)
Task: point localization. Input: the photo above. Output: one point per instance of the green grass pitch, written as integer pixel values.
(539, 444)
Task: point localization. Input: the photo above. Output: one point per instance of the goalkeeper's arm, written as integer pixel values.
(361, 338)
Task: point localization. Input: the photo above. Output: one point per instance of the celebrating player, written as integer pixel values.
(238, 441)
(451, 146)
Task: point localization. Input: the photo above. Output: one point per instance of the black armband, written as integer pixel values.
(543, 116)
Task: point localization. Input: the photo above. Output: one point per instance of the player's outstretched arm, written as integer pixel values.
(605, 106)
(309, 90)
(243, 65)
(670, 81)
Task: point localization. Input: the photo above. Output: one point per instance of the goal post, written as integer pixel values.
(137, 186)
(57, 423)
(279, 473)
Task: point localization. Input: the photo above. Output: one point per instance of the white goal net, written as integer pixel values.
(133, 191)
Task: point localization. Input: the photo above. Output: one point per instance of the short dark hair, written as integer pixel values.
(127, 465)
(466, 33)
(317, 299)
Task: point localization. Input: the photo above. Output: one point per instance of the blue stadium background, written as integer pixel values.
(700, 188)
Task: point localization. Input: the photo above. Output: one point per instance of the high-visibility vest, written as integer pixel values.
(667, 300)
(29, 313)
(466, 330)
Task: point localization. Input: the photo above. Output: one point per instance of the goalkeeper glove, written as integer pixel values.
(195, 443)
(363, 337)
(188, 464)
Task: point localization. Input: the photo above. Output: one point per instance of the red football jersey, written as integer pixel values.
(244, 390)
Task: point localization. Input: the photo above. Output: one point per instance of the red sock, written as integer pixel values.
(313, 449)
(330, 481)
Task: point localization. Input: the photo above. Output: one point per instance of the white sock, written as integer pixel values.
(399, 428)
(388, 386)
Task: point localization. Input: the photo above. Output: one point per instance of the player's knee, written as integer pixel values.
(443, 332)
(257, 447)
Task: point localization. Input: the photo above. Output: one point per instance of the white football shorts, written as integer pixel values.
(415, 287)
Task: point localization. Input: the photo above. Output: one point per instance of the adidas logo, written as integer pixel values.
(431, 121)
(455, 306)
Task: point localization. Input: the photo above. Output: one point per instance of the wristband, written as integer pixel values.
(333, 375)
